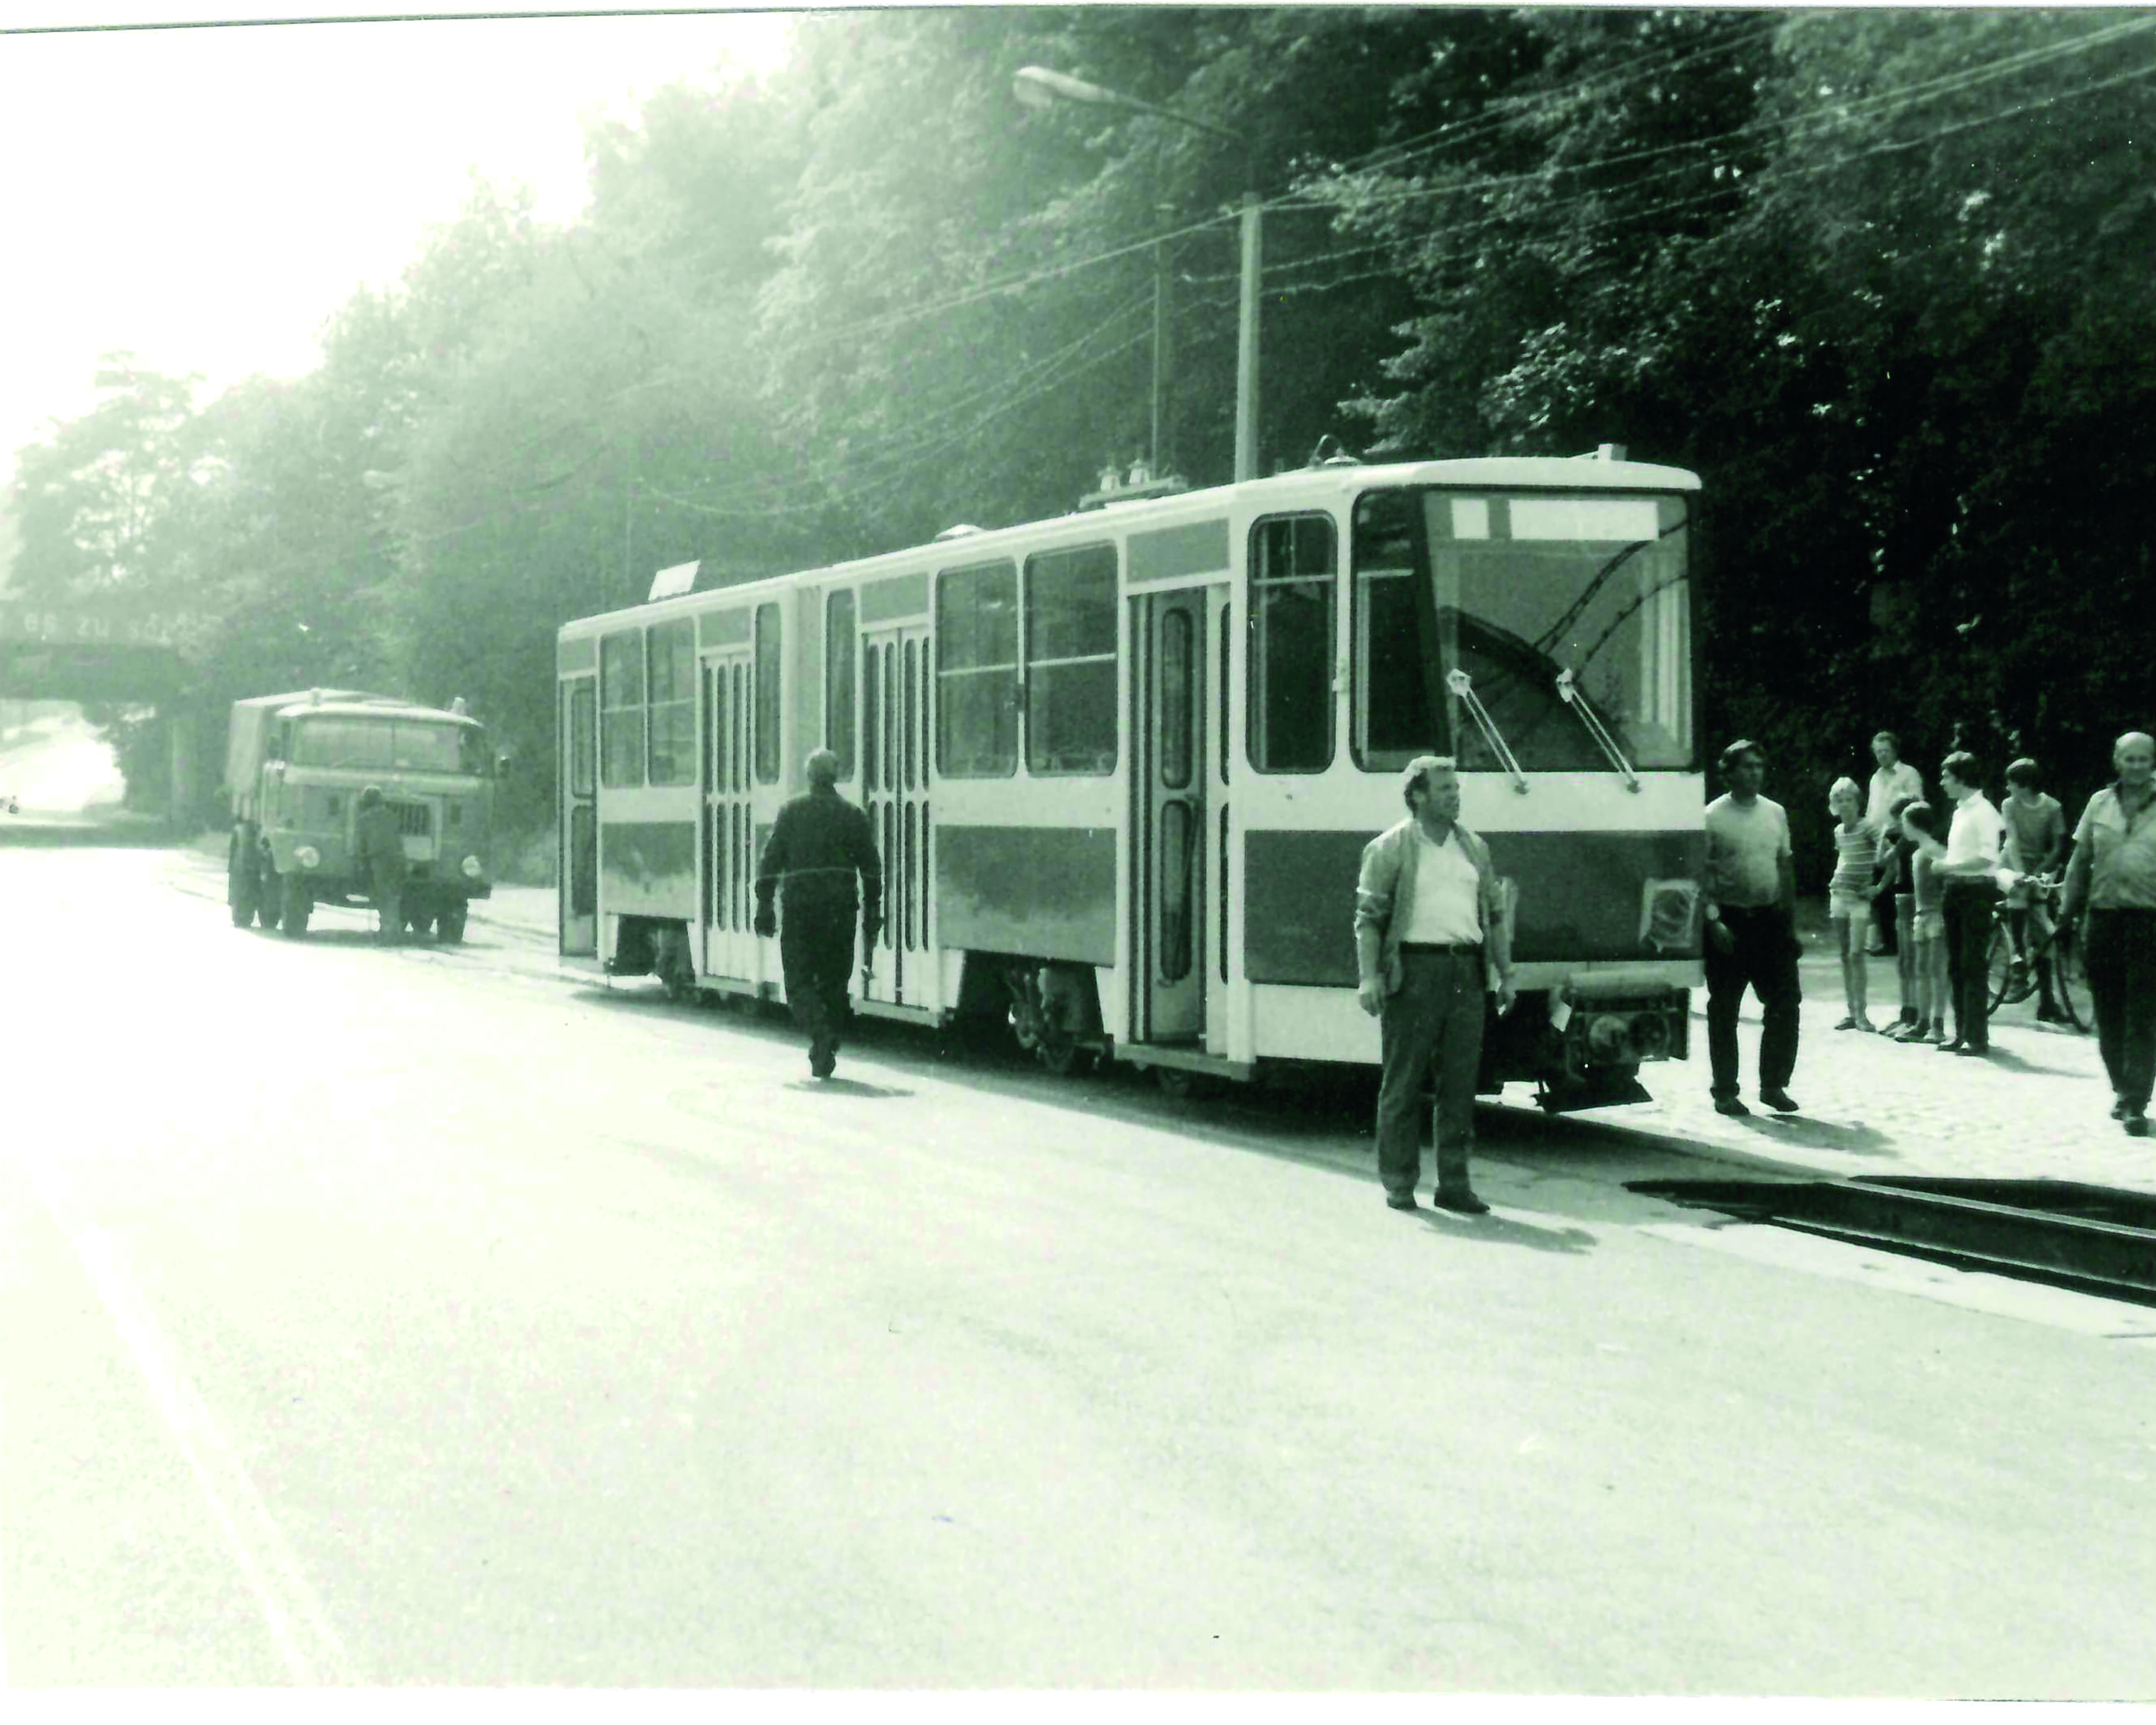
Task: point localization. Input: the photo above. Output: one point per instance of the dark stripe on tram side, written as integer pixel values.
(1041, 891)
(649, 868)
(1581, 896)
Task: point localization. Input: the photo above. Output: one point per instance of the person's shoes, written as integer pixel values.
(1401, 1200)
(1908, 1015)
(2137, 1125)
(1953, 1047)
(1467, 1203)
(821, 1060)
(1851, 1023)
(1729, 1105)
(2048, 1013)
(1974, 1051)
(2118, 1108)
(1780, 1101)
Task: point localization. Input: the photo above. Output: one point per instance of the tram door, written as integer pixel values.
(730, 947)
(579, 896)
(897, 684)
(1169, 867)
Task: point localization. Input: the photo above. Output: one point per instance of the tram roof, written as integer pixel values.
(1533, 472)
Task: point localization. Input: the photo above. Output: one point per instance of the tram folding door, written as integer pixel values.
(579, 872)
(1172, 774)
(730, 947)
(897, 680)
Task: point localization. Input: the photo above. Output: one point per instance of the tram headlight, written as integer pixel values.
(1607, 1037)
(473, 868)
(307, 856)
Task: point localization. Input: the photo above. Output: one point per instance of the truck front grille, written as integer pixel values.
(411, 820)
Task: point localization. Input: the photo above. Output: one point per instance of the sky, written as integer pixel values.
(207, 198)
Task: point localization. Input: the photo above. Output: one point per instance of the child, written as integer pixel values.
(2035, 845)
(1849, 894)
(1889, 879)
(1921, 824)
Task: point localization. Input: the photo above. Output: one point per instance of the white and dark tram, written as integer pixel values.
(1121, 765)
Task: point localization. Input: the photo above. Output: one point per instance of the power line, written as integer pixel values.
(1882, 104)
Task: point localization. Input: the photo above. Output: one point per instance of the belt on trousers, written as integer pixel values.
(1458, 950)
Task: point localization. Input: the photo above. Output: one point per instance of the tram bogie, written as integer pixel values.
(1121, 766)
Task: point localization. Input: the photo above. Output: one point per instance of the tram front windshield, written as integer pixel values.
(1516, 591)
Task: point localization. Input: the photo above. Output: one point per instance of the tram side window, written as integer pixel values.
(1397, 658)
(1070, 661)
(977, 671)
(621, 709)
(1293, 562)
(838, 643)
(671, 650)
(584, 742)
(767, 694)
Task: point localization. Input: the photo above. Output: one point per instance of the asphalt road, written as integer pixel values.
(423, 1318)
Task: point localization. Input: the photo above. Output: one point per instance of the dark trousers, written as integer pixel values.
(1967, 909)
(386, 886)
(2122, 978)
(1433, 1019)
(816, 950)
(1765, 961)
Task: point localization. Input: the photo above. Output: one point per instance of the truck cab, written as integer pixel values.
(296, 765)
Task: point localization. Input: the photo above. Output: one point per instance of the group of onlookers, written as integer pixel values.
(1923, 885)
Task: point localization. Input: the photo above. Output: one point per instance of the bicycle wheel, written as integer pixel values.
(2069, 980)
(1998, 967)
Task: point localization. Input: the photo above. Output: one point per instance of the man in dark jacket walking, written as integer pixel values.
(381, 848)
(820, 844)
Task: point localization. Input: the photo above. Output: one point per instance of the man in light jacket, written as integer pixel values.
(1432, 939)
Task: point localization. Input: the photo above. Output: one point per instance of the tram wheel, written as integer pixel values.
(1182, 1083)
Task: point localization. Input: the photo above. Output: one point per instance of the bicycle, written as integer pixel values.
(2047, 935)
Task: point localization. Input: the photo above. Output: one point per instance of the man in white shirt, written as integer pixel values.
(1895, 780)
(1751, 931)
(1431, 940)
(1974, 843)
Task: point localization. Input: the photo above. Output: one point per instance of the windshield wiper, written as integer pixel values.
(1568, 691)
(1462, 685)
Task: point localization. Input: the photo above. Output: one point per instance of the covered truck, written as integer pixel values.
(295, 767)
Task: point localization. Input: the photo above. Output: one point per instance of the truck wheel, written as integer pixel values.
(266, 906)
(295, 906)
(449, 926)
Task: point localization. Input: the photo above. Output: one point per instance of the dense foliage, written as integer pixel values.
(1880, 276)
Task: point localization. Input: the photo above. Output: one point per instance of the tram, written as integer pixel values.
(1121, 765)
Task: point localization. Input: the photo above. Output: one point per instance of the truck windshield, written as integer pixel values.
(390, 745)
(1516, 591)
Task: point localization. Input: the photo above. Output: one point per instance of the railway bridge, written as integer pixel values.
(112, 648)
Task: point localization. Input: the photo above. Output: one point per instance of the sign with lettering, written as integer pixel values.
(110, 623)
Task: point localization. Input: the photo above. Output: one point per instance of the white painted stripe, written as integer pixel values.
(310, 1648)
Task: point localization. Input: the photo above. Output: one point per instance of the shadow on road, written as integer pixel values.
(1819, 1134)
(844, 1087)
(1499, 1230)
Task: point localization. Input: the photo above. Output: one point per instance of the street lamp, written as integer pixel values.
(1038, 87)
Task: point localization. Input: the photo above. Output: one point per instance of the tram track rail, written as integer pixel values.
(2096, 1239)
